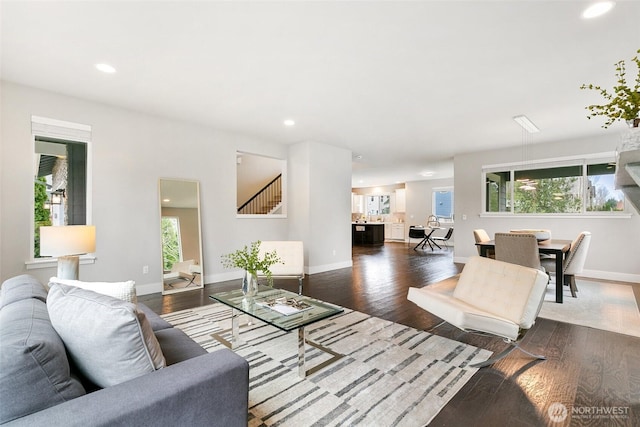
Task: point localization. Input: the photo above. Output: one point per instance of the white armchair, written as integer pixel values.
(183, 270)
(291, 252)
(490, 297)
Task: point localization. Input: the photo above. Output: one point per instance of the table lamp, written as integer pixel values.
(67, 242)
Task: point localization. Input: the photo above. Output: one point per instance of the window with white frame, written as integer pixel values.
(442, 203)
(569, 186)
(62, 175)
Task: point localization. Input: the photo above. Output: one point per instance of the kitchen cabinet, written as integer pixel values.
(357, 203)
(401, 201)
(397, 231)
(367, 234)
(387, 230)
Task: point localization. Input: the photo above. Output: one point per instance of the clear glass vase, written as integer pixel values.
(250, 284)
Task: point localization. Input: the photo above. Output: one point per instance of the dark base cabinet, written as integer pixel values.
(367, 234)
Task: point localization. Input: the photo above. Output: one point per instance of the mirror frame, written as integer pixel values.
(162, 195)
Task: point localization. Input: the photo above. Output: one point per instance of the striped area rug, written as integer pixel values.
(391, 375)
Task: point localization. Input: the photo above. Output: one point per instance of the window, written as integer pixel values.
(442, 203)
(61, 175)
(575, 187)
(601, 193)
(379, 205)
(171, 242)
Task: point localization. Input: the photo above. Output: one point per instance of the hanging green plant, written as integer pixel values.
(623, 101)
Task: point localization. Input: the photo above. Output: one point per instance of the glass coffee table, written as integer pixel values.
(285, 310)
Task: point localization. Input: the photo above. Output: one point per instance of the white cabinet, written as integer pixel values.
(357, 203)
(397, 231)
(401, 203)
(387, 231)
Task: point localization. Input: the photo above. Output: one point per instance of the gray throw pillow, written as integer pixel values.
(34, 369)
(109, 340)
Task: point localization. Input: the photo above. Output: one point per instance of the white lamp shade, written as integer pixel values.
(67, 240)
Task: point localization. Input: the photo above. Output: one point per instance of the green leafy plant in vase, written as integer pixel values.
(248, 259)
(623, 101)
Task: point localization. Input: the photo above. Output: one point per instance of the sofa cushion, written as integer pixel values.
(109, 340)
(34, 369)
(22, 287)
(125, 291)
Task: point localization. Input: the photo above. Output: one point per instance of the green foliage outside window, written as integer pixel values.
(552, 195)
(170, 242)
(554, 190)
(41, 215)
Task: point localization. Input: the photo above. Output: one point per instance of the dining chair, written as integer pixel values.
(416, 232)
(444, 239)
(516, 248)
(481, 236)
(574, 263)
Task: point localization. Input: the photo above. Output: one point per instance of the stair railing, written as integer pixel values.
(264, 200)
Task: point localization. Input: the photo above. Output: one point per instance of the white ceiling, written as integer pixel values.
(406, 85)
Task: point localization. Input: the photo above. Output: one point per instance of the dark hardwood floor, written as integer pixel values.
(591, 372)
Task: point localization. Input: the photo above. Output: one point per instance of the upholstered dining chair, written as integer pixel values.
(516, 248)
(574, 263)
(481, 236)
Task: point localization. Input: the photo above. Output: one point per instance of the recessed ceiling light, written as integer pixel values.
(166, 200)
(426, 174)
(105, 68)
(598, 9)
(289, 122)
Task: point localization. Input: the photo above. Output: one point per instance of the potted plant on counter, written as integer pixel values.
(248, 259)
(623, 101)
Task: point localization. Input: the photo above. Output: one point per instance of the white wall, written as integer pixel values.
(420, 203)
(615, 242)
(320, 177)
(131, 151)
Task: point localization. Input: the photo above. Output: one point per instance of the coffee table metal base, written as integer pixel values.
(302, 348)
(235, 342)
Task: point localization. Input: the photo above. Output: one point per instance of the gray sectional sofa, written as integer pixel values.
(39, 386)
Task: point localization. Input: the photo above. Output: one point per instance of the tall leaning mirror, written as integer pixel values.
(180, 229)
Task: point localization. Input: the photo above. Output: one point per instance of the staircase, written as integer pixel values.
(267, 201)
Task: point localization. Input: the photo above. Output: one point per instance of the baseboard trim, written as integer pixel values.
(328, 267)
(610, 275)
(149, 288)
(588, 274)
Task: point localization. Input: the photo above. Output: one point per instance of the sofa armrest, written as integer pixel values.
(208, 390)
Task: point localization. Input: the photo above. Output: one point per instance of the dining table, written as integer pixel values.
(556, 247)
(426, 236)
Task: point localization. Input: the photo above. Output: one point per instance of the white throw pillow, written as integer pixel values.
(110, 340)
(125, 291)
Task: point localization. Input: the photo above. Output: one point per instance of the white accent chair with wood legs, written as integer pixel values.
(291, 252)
(489, 297)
